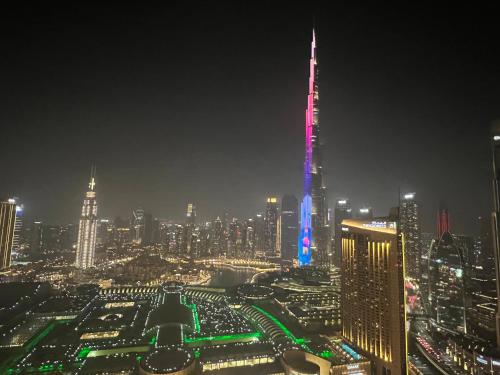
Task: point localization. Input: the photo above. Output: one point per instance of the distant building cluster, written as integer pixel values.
(342, 292)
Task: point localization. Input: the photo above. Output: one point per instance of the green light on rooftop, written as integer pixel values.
(84, 353)
(239, 336)
(326, 354)
(298, 341)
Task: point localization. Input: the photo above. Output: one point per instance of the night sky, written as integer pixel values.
(205, 103)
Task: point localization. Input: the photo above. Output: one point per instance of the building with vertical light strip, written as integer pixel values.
(7, 227)
(372, 302)
(87, 231)
(314, 233)
(410, 226)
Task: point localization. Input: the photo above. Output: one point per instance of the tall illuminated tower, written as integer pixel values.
(7, 230)
(495, 216)
(85, 248)
(313, 235)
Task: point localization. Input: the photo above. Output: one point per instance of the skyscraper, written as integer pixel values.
(343, 211)
(314, 236)
(36, 243)
(447, 293)
(189, 229)
(372, 302)
(495, 217)
(18, 225)
(85, 248)
(191, 214)
(138, 225)
(217, 237)
(259, 235)
(271, 226)
(148, 229)
(7, 226)
(410, 227)
(289, 226)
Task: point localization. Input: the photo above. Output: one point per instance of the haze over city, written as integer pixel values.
(249, 188)
(172, 107)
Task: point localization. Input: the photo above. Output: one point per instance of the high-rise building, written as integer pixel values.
(217, 237)
(7, 229)
(148, 229)
(314, 229)
(271, 226)
(289, 227)
(259, 235)
(138, 225)
(495, 217)
(343, 211)
(372, 302)
(250, 239)
(18, 225)
(36, 242)
(410, 227)
(447, 286)
(156, 231)
(87, 231)
(191, 214)
(365, 213)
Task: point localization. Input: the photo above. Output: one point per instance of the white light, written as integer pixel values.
(496, 137)
(12, 201)
(364, 210)
(342, 202)
(410, 196)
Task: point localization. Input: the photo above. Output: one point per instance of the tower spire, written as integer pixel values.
(92, 177)
(313, 237)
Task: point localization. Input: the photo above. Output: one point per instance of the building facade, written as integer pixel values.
(447, 275)
(410, 227)
(343, 211)
(289, 226)
(7, 230)
(87, 231)
(271, 227)
(372, 292)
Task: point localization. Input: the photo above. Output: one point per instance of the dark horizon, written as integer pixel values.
(176, 105)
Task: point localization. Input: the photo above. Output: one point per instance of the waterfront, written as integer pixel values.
(227, 277)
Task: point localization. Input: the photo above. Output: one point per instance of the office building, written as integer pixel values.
(148, 229)
(289, 227)
(410, 227)
(372, 292)
(87, 231)
(138, 226)
(191, 214)
(343, 211)
(36, 243)
(447, 286)
(271, 226)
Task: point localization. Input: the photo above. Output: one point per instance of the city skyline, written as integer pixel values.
(372, 85)
(225, 233)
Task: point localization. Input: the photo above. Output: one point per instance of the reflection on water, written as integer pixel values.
(227, 277)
